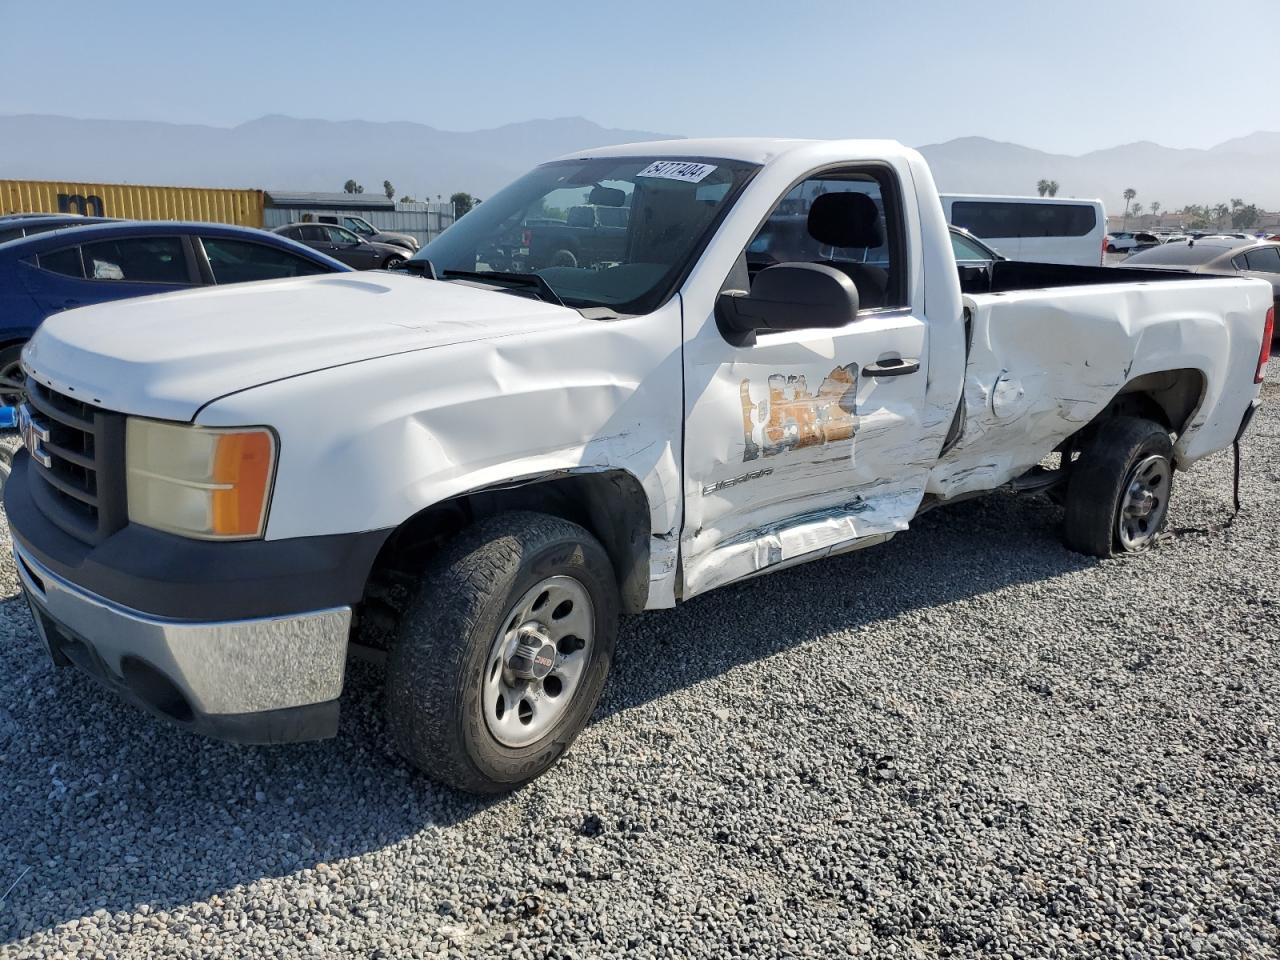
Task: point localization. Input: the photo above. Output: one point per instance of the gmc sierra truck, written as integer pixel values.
(224, 492)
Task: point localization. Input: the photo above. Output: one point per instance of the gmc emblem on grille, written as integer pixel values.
(33, 434)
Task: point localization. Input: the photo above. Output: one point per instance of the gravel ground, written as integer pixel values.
(968, 741)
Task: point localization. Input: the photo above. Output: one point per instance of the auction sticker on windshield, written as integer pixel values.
(677, 170)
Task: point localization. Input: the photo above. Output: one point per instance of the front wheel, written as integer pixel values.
(392, 262)
(502, 654)
(1119, 492)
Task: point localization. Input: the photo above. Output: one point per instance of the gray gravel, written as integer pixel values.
(967, 742)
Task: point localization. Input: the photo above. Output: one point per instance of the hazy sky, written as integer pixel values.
(1060, 75)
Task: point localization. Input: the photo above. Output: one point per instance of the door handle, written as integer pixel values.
(891, 368)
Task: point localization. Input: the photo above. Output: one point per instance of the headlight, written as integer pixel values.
(212, 483)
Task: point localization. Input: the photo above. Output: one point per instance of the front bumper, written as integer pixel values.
(262, 680)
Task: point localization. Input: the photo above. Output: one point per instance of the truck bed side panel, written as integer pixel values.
(1043, 363)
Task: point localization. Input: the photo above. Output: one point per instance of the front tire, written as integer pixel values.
(392, 262)
(1120, 488)
(502, 654)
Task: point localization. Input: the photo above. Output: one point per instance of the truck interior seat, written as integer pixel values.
(845, 220)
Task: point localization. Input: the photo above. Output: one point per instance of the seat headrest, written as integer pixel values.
(845, 220)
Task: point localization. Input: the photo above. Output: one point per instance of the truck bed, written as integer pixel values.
(1005, 276)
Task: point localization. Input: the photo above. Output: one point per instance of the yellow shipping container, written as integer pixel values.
(133, 202)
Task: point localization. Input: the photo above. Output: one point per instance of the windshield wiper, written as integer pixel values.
(512, 279)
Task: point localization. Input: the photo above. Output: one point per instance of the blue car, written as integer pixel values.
(28, 225)
(77, 266)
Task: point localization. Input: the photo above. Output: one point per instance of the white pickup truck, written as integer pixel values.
(478, 471)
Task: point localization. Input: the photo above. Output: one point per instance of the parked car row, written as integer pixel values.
(345, 245)
(1221, 256)
(53, 263)
(361, 226)
(1125, 242)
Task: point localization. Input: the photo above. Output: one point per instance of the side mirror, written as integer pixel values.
(789, 296)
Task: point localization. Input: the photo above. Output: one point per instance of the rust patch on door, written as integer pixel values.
(789, 417)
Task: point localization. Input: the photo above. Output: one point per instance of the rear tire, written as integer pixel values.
(458, 652)
(1118, 496)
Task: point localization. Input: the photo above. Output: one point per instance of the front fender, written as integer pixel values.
(367, 445)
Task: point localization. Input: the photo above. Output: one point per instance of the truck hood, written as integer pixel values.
(166, 356)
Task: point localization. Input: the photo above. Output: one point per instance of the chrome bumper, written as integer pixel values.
(266, 666)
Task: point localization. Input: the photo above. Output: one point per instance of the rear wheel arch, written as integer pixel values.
(1170, 397)
(1167, 397)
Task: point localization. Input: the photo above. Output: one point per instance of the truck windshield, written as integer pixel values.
(616, 232)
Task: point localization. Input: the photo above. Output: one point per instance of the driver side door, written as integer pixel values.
(809, 441)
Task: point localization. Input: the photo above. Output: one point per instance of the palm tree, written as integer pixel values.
(1042, 187)
(1155, 211)
(1129, 194)
(1137, 211)
(1220, 213)
(1053, 188)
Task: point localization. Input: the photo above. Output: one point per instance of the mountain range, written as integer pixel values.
(285, 153)
(1245, 167)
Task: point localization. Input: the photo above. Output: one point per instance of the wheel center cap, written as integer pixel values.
(534, 655)
(1141, 503)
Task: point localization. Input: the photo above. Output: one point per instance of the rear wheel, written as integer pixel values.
(564, 258)
(1118, 496)
(502, 655)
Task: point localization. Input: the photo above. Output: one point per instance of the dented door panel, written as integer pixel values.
(792, 449)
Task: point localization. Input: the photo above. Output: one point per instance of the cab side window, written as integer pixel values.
(1264, 260)
(137, 259)
(65, 262)
(342, 236)
(239, 261)
(849, 220)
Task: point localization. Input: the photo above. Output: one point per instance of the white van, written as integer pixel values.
(1033, 229)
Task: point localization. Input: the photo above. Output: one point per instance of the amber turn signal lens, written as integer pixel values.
(242, 475)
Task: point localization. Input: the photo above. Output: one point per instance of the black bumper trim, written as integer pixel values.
(1247, 419)
(170, 576)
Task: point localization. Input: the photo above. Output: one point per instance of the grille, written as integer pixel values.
(78, 469)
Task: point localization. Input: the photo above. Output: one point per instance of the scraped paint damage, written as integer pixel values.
(790, 417)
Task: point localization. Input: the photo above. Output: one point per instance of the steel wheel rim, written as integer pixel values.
(520, 709)
(1145, 501)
